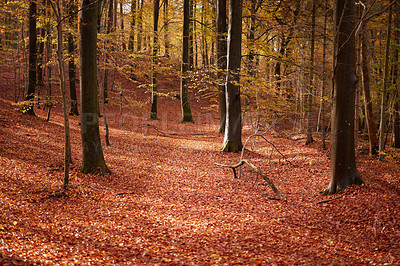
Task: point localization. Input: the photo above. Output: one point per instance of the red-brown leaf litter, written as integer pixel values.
(167, 202)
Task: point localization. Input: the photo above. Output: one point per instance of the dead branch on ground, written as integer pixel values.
(255, 169)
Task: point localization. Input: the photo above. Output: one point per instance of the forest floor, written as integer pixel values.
(167, 202)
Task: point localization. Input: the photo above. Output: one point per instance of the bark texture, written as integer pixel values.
(233, 127)
(343, 163)
(93, 158)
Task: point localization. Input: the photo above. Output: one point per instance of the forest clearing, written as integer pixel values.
(201, 132)
(167, 202)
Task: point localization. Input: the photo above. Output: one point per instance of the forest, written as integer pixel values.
(199, 132)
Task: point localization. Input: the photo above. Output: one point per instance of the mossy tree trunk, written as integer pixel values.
(93, 158)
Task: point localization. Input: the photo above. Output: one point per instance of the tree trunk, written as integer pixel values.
(167, 42)
(396, 119)
(72, 9)
(311, 85)
(30, 94)
(233, 128)
(384, 89)
(153, 112)
(221, 61)
(186, 111)
(63, 86)
(366, 70)
(140, 27)
(131, 43)
(191, 35)
(343, 163)
(93, 159)
(324, 77)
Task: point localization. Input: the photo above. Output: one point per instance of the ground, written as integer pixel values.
(167, 202)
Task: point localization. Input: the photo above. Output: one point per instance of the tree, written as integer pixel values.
(311, 85)
(233, 127)
(73, 15)
(186, 111)
(153, 112)
(366, 70)
(32, 78)
(396, 117)
(131, 43)
(167, 42)
(384, 89)
(221, 61)
(343, 162)
(93, 159)
(63, 86)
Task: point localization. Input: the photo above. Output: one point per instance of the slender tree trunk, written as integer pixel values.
(140, 26)
(251, 36)
(40, 58)
(122, 18)
(311, 84)
(233, 128)
(93, 159)
(366, 70)
(324, 77)
(221, 61)
(384, 90)
(186, 111)
(167, 42)
(396, 118)
(110, 29)
(343, 162)
(191, 35)
(153, 112)
(72, 8)
(131, 43)
(30, 94)
(63, 86)
(49, 103)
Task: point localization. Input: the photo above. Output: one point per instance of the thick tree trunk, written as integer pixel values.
(343, 163)
(186, 111)
(93, 159)
(221, 61)
(233, 128)
(153, 112)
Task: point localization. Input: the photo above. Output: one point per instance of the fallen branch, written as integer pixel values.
(255, 169)
(261, 135)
